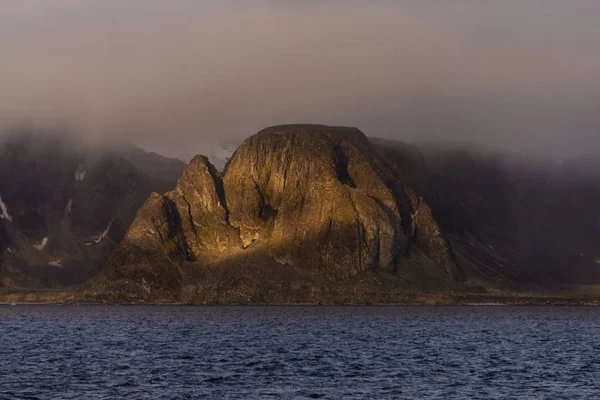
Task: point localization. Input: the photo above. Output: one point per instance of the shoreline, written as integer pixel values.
(507, 302)
(370, 297)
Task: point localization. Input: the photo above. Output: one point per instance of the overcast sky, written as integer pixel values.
(171, 75)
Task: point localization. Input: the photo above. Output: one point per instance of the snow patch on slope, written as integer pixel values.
(68, 207)
(98, 238)
(55, 263)
(80, 173)
(4, 211)
(41, 245)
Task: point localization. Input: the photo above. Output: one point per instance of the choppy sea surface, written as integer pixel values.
(181, 352)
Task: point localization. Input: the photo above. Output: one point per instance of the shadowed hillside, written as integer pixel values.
(66, 206)
(512, 223)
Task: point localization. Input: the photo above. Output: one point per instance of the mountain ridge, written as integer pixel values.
(317, 214)
(69, 205)
(316, 200)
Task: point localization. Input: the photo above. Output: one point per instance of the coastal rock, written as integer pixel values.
(312, 200)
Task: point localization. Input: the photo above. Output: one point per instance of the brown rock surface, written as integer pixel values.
(298, 206)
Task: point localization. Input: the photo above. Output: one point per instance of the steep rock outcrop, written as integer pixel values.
(318, 196)
(310, 199)
(200, 202)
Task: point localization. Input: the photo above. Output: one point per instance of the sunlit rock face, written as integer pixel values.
(189, 222)
(322, 198)
(312, 199)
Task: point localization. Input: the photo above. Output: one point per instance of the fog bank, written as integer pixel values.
(516, 75)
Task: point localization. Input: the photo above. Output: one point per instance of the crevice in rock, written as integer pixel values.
(189, 215)
(219, 188)
(172, 217)
(405, 208)
(397, 233)
(266, 212)
(360, 232)
(341, 168)
(176, 234)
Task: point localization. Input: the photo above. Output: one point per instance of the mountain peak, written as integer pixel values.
(306, 199)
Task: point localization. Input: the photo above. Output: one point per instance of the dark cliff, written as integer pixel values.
(513, 224)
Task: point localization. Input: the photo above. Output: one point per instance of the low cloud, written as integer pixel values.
(516, 75)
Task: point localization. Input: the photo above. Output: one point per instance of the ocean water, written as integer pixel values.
(179, 352)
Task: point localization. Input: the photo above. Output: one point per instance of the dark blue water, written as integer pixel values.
(168, 352)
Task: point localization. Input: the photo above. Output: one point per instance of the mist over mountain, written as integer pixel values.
(65, 206)
(171, 76)
(298, 213)
(299, 199)
(470, 163)
(311, 213)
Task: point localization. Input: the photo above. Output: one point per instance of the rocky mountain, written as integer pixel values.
(301, 213)
(65, 206)
(512, 223)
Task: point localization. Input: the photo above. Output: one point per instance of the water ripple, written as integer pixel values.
(140, 352)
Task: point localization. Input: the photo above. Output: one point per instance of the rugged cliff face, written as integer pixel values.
(314, 203)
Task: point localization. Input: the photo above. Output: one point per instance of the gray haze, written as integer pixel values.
(173, 75)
